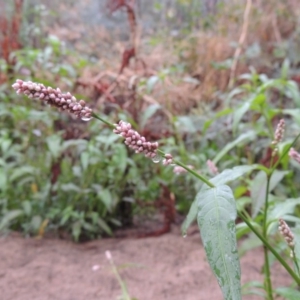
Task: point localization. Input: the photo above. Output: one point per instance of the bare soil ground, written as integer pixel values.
(165, 267)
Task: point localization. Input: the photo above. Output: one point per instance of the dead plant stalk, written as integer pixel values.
(242, 40)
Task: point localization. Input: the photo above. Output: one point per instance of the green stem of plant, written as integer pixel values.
(268, 283)
(121, 282)
(284, 154)
(202, 178)
(177, 162)
(102, 120)
(269, 124)
(261, 237)
(296, 262)
(274, 252)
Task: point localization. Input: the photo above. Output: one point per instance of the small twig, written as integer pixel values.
(276, 30)
(242, 39)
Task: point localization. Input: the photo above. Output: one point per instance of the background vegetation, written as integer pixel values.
(206, 81)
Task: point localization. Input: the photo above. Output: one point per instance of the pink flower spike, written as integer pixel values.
(286, 232)
(279, 132)
(108, 255)
(53, 97)
(294, 155)
(212, 167)
(168, 159)
(134, 140)
(95, 267)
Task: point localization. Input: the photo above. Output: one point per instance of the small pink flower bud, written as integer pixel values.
(108, 255)
(53, 97)
(168, 159)
(294, 155)
(134, 140)
(279, 132)
(212, 167)
(286, 232)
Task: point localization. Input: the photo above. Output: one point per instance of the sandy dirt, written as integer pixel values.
(165, 267)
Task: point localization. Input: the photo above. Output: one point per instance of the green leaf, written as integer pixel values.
(54, 145)
(222, 178)
(148, 113)
(285, 68)
(70, 187)
(80, 144)
(107, 141)
(21, 171)
(293, 90)
(259, 186)
(221, 113)
(288, 293)
(242, 139)
(151, 83)
(106, 198)
(248, 244)
(232, 94)
(119, 159)
(241, 230)
(281, 209)
(255, 100)
(76, 230)
(294, 112)
(216, 220)
(296, 232)
(5, 144)
(250, 288)
(102, 224)
(26, 205)
(238, 115)
(35, 223)
(3, 180)
(10, 216)
(84, 158)
(190, 218)
(242, 202)
(229, 175)
(185, 124)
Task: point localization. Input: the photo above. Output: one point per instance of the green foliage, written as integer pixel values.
(52, 178)
(216, 220)
(73, 185)
(268, 189)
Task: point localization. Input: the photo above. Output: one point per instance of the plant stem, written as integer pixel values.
(274, 252)
(269, 124)
(263, 238)
(202, 178)
(268, 283)
(102, 120)
(121, 282)
(296, 262)
(177, 162)
(284, 154)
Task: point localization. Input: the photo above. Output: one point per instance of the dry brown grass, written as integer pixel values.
(270, 22)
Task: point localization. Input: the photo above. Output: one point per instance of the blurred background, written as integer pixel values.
(176, 69)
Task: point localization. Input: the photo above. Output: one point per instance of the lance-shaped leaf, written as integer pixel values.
(222, 178)
(288, 293)
(259, 186)
(240, 141)
(190, 218)
(296, 232)
(216, 220)
(229, 175)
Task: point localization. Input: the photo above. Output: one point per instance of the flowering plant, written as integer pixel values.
(214, 206)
